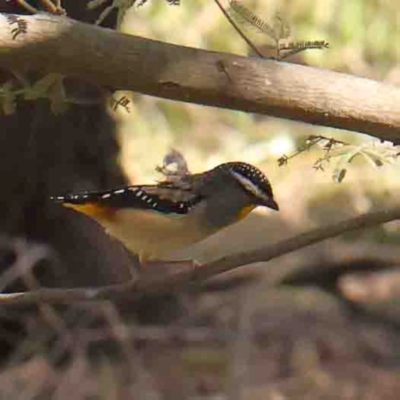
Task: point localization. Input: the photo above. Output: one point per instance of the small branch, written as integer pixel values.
(297, 242)
(159, 283)
(27, 6)
(53, 44)
(238, 30)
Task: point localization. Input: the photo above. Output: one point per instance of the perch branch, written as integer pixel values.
(54, 44)
(174, 281)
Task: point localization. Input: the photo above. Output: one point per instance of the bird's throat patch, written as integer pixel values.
(245, 211)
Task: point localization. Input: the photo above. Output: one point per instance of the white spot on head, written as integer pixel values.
(119, 191)
(106, 195)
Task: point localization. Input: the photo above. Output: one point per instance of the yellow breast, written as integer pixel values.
(148, 233)
(151, 234)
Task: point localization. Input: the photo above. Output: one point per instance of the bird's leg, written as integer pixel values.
(138, 263)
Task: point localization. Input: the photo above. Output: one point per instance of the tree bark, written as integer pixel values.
(42, 154)
(108, 58)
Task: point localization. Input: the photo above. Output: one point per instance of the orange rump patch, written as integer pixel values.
(93, 210)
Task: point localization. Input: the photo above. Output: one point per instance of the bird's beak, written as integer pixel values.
(270, 203)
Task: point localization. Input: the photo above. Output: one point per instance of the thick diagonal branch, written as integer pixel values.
(120, 61)
(160, 283)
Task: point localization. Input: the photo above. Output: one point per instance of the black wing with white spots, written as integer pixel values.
(168, 199)
(180, 195)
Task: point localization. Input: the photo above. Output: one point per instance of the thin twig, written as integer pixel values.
(171, 281)
(27, 6)
(238, 30)
(53, 8)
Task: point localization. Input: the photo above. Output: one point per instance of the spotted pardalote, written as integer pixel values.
(153, 220)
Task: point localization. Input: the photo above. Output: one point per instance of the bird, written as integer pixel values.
(153, 220)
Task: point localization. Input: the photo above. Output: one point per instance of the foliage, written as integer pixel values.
(279, 32)
(51, 87)
(340, 154)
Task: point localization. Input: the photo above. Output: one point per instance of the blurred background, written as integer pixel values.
(321, 323)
